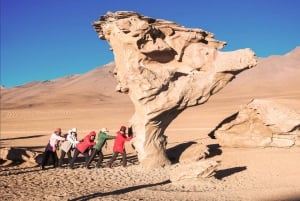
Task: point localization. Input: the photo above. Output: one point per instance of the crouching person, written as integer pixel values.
(83, 148)
(51, 148)
(97, 149)
(67, 146)
(119, 146)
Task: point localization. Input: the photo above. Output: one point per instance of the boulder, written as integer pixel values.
(261, 123)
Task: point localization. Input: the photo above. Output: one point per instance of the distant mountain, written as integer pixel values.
(273, 76)
(94, 87)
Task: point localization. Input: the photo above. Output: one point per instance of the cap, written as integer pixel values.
(123, 128)
(104, 130)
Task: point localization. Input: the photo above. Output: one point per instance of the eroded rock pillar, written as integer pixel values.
(165, 68)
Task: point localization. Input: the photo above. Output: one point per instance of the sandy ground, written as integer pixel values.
(243, 174)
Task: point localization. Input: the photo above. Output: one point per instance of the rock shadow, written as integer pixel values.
(214, 150)
(220, 174)
(22, 138)
(226, 120)
(119, 192)
(175, 152)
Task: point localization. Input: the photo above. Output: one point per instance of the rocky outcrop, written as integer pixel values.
(165, 68)
(194, 171)
(261, 123)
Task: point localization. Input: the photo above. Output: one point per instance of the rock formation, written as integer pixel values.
(165, 68)
(261, 123)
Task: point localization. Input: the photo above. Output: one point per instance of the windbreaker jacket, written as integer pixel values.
(86, 143)
(73, 139)
(102, 137)
(53, 142)
(119, 143)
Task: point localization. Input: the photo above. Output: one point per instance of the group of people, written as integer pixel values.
(88, 146)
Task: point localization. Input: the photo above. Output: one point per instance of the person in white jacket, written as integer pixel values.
(51, 148)
(68, 145)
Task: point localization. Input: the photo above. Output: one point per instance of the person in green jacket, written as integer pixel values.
(97, 148)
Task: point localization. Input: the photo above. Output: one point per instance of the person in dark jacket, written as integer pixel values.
(119, 147)
(83, 148)
(97, 148)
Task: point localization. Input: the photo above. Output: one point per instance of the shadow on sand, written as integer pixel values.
(220, 174)
(118, 192)
(22, 138)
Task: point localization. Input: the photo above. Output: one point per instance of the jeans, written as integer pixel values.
(93, 154)
(76, 153)
(114, 157)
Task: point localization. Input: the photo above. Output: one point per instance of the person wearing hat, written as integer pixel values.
(68, 145)
(119, 147)
(97, 148)
(51, 148)
(83, 148)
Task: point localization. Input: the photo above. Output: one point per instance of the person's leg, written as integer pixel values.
(124, 159)
(76, 153)
(69, 156)
(45, 159)
(61, 159)
(86, 158)
(100, 159)
(93, 154)
(113, 158)
(54, 159)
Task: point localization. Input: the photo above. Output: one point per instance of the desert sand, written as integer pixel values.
(30, 112)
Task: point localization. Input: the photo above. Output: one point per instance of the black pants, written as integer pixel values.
(114, 157)
(62, 156)
(76, 153)
(93, 154)
(54, 157)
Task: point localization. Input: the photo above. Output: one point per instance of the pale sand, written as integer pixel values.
(244, 174)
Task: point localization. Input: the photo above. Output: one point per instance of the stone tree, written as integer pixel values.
(165, 68)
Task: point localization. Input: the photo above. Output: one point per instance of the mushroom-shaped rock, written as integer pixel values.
(165, 68)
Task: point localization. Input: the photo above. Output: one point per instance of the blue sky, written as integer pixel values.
(48, 39)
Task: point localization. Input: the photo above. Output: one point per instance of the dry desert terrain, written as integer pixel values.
(30, 112)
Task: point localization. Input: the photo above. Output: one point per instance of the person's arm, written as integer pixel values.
(57, 137)
(128, 138)
(110, 137)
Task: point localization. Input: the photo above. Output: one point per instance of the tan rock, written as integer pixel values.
(261, 123)
(193, 171)
(165, 68)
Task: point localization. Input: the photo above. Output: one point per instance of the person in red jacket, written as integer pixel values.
(119, 147)
(83, 147)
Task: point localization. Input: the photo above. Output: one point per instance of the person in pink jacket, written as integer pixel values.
(83, 148)
(119, 147)
(51, 147)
